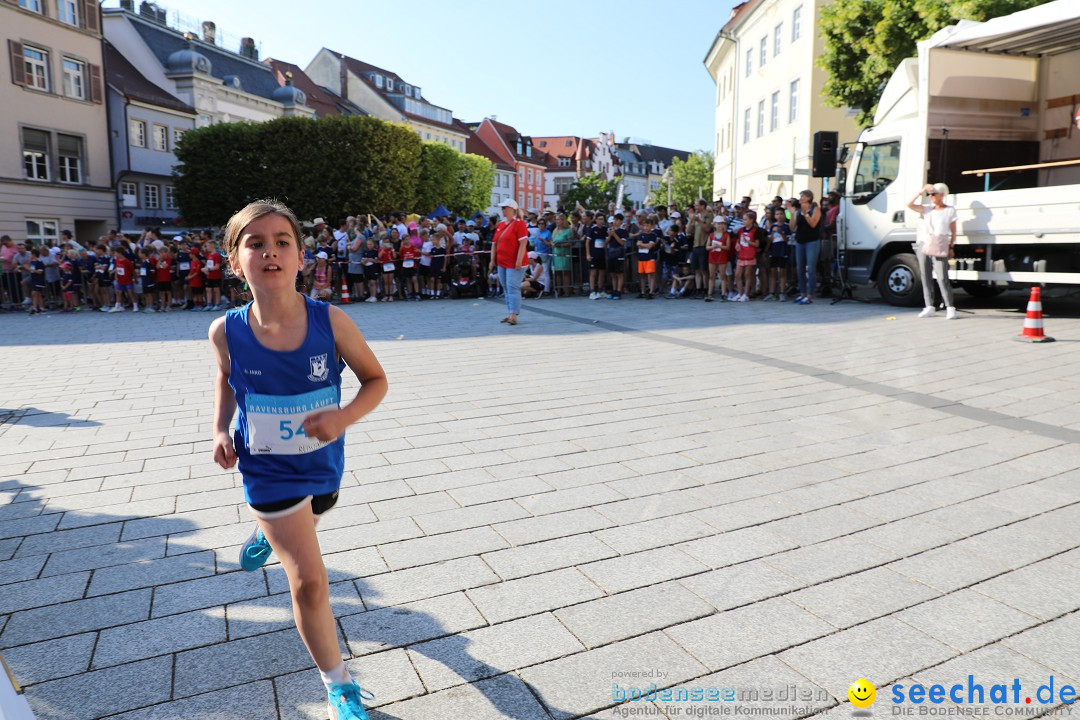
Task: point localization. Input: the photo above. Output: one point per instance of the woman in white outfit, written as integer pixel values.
(934, 247)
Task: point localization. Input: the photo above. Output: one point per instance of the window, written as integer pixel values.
(74, 79)
(129, 194)
(749, 60)
(151, 200)
(521, 175)
(760, 118)
(521, 198)
(69, 11)
(389, 85)
(763, 52)
(796, 24)
(34, 5)
(170, 198)
(569, 143)
(35, 154)
(793, 102)
(137, 133)
(70, 166)
(543, 143)
(38, 230)
(205, 121)
(564, 162)
(877, 168)
(161, 138)
(378, 81)
(36, 63)
(177, 135)
(506, 181)
(407, 90)
(777, 39)
(530, 176)
(746, 126)
(774, 112)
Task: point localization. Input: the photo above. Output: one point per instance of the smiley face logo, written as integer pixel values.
(862, 693)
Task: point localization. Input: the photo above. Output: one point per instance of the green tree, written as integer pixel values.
(591, 192)
(440, 173)
(476, 178)
(866, 39)
(691, 180)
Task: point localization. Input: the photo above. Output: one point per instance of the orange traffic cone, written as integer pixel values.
(1033, 322)
(345, 292)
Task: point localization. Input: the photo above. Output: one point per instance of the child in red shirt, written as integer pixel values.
(386, 261)
(124, 277)
(163, 278)
(719, 246)
(409, 256)
(212, 270)
(195, 282)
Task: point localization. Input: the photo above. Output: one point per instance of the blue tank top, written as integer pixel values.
(274, 391)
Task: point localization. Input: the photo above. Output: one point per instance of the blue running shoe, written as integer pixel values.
(343, 701)
(255, 551)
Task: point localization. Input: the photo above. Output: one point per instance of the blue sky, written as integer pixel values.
(572, 67)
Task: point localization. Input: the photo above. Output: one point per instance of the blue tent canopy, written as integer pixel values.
(439, 212)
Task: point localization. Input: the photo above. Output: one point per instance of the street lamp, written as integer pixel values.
(667, 178)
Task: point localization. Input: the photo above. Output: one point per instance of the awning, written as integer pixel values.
(1050, 29)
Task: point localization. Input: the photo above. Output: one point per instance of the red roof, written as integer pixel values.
(563, 146)
(510, 135)
(476, 146)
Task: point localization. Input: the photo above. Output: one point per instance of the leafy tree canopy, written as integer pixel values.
(691, 179)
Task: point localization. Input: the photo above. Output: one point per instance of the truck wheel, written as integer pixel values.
(899, 281)
(981, 290)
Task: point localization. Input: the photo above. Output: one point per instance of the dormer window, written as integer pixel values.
(378, 81)
(519, 152)
(389, 85)
(407, 90)
(416, 92)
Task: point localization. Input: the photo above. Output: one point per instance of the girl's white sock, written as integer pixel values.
(337, 676)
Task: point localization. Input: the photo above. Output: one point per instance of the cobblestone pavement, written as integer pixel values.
(539, 518)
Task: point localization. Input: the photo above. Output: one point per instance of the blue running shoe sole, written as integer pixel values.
(255, 551)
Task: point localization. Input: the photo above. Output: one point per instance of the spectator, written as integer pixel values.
(806, 225)
(937, 236)
(616, 255)
(508, 256)
(539, 279)
(701, 222)
(562, 242)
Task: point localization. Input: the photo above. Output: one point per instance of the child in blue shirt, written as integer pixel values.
(279, 362)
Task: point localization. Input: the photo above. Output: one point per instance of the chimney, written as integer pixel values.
(247, 48)
(128, 5)
(209, 33)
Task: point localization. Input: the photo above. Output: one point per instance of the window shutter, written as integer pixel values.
(90, 16)
(95, 83)
(18, 69)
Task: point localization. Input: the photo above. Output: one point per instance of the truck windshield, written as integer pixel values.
(878, 166)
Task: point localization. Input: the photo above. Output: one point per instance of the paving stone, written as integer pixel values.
(639, 569)
(621, 616)
(413, 505)
(447, 546)
(385, 628)
(103, 692)
(1053, 644)
(51, 659)
(820, 525)
(548, 555)
(121, 511)
(966, 619)
(650, 534)
(830, 559)
(504, 696)
(744, 513)
(253, 700)
(533, 594)
(581, 683)
(881, 651)
(548, 527)
(561, 500)
(468, 517)
(490, 651)
(736, 546)
(67, 561)
(43, 591)
(274, 612)
(239, 661)
(208, 591)
(862, 596)
(426, 581)
(20, 569)
(179, 522)
(74, 617)
(950, 567)
(389, 675)
(1044, 589)
(151, 572)
(67, 539)
(740, 584)
(159, 637)
(748, 632)
(499, 490)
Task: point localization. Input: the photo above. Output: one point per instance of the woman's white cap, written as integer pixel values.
(508, 203)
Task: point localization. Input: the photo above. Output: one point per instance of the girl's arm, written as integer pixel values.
(224, 398)
(330, 424)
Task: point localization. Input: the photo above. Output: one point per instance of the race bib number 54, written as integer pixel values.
(276, 422)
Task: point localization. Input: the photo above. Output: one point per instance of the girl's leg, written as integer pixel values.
(294, 541)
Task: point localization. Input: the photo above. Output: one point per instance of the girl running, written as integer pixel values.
(279, 361)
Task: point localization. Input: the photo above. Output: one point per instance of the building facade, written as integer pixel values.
(54, 140)
(146, 124)
(385, 95)
(768, 100)
(656, 160)
(517, 151)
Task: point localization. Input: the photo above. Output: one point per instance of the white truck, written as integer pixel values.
(987, 108)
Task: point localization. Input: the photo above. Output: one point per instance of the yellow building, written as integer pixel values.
(768, 100)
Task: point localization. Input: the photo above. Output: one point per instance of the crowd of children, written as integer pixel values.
(708, 251)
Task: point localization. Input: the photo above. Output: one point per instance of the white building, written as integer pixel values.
(768, 100)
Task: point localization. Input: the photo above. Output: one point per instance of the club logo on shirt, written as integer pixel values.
(319, 369)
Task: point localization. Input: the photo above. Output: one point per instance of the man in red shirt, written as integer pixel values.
(511, 242)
